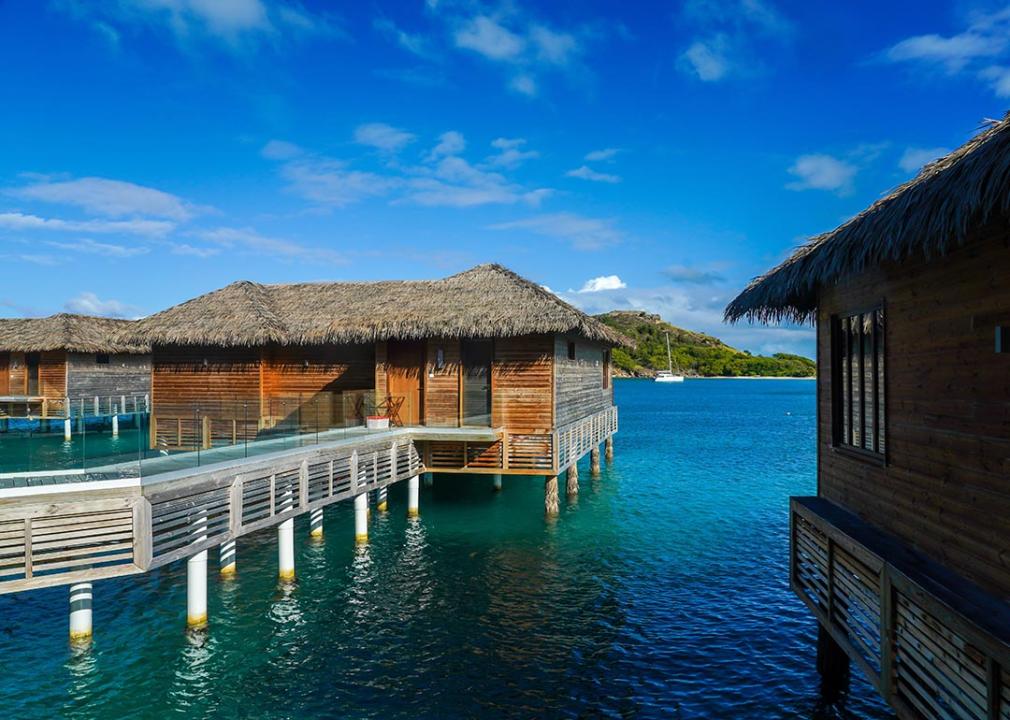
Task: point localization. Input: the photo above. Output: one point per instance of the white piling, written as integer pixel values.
(66, 430)
(413, 496)
(286, 550)
(196, 590)
(115, 426)
(497, 482)
(81, 598)
(361, 518)
(316, 523)
(382, 502)
(228, 558)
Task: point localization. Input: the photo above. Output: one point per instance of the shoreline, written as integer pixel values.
(730, 377)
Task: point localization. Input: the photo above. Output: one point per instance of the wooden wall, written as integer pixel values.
(522, 384)
(945, 486)
(180, 381)
(123, 375)
(441, 386)
(381, 384)
(5, 373)
(578, 384)
(18, 373)
(330, 368)
(53, 374)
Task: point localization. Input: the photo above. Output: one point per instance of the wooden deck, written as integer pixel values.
(934, 644)
(61, 533)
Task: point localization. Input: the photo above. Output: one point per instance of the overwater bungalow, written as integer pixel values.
(484, 349)
(904, 554)
(68, 364)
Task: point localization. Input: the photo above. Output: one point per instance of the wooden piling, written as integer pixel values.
(572, 480)
(551, 505)
(833, 666)
(608, 449)
(594, 461)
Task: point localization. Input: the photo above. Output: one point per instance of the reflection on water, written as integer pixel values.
(663, 594)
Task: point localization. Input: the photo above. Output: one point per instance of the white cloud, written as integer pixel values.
(90, 247)
(692, 276)
(22, 221)
(524, 85)
(456, 183)
(586, 173)
(235, 24)
(727, 33)
(88, 303)
(601, 283)
(510, 153)
(194, 251)
(251, 241)
(708, 58)
(914, 158)
(489, 38)
(411, 42)
(583, 233)
(601, 155)
(382, 137)
(978, 49)
(553, 47)
(280, 150)
(449, 143)
(113, 198)
(331, 182)
(822, 172)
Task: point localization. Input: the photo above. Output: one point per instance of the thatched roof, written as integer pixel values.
(74, 333)
(486, 301)
(928, 216)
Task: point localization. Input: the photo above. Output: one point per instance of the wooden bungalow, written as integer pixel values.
(904, 554)
(74, 364)
(481, 349)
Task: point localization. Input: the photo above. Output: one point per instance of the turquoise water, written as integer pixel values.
(661, 593)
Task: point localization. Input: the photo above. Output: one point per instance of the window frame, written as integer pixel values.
(606, 368)
(103, 359)
(572, 351)
(840, 387)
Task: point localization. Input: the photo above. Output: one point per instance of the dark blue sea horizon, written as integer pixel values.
(661, 592)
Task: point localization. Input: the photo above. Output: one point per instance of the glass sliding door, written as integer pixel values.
(477, 356)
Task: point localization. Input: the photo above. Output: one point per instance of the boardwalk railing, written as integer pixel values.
(529, 452)
(893, 612)
(130, 526)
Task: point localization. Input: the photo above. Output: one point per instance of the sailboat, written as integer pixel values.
(667, 375)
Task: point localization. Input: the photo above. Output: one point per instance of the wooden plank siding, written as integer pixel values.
(5, 373)
(53, 375)
(18, 374)
(123, 375)
(441, 385)
(579, 384)
(943, 488)
(522, 384)
(181, 381)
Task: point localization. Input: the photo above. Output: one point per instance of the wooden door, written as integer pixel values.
(405, 378)
(5, 373)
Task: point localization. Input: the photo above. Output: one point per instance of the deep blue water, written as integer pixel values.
(662, 592)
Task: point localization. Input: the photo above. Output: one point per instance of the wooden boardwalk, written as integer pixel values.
(65, 533)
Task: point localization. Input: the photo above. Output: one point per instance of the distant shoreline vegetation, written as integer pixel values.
(694, 354)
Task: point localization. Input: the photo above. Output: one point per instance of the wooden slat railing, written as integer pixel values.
(933, 644)
(84, 535)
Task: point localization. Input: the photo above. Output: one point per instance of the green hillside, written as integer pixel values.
(693, 353)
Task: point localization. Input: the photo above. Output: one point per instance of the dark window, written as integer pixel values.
(571, 351)
(32, 374)
(606, 369)
(102, 359)
(858, 406)
(477, 356)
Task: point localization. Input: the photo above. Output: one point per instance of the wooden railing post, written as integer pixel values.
(235, 507)
(886, 634)
(142, 534)
(392, 463)
(303, 484)
(205, 441)
(28, 548)
(505, 449)
(354, 471)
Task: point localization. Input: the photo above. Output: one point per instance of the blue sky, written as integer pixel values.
(626, 155)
